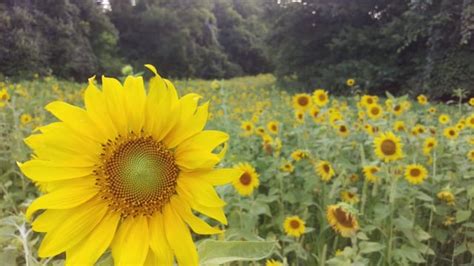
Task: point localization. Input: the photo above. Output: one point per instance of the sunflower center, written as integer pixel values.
(375, 111)
(137, 175)
(397, 108)
(415, 172)
(245, 179)
(326, 168)
(322, 97)
(303, 101)
(343, 218)
(294, 224)
(388, 147)
(343, 129)
(274, 128)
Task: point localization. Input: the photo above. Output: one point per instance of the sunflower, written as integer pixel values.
(368, 100)
(415, 173)
(451, 133)
(374, 111)
(470, 155)
(422, 99)
(297, 155)
(343, 130)
(248, 180)
(470, 121)
(397, 109)
(446, 196)
(315, 111)
(349, 197)
(287, 167)
(325, 170)
(432, 110)
(25, 119)
(302, 101)
(370, 172)
(260, 131)
(294, 226)
(4, 96)
(471, 101)
(399, 126)
(444, 119)
(429, 144)
(271, 262)
(247, 128)
(388, 147)
(350, 82)
(127, 172)
(273, 127)
(299, 116)
(342, 219)
(320, 97)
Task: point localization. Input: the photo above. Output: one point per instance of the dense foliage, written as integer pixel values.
(400, 46)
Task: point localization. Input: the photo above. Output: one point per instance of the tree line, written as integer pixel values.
(422, 46)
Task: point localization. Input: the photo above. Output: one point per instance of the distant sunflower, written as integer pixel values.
(343, 130)
(415, 173)
(470, 155)
(370, 173)
(25, 119)
(429, 144)
(302, 101)
(432, 110)
(287, 167)
(446, 196)
(422, 99)
(471, 101)
(271, 262)
(388, 147)
(247, 128)
(399, 126)
(375, 111)
(444, 119)
(368, 100)
(397, 109)
(297, 155)
(294, 226)
(273, 127)
(320, 97)
(349, 197)
(127, 172)
(342, 219)
(299, 116)
(451, 133)
(470, 121)
(325, 170)
(315, 111)
(260, 131)
(350, 82)
(248, 180)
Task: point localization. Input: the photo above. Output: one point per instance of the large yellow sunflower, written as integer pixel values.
(415, 173)
(127, 172)
(388, 147)
(248, 180)
(294, 226)
(325, 170)
(302, 101)
(342, 219)
(320, 97)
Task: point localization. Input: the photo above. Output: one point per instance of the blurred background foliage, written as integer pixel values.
(400, 46)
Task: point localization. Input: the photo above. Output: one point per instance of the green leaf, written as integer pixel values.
(412, 254)
(219, 252)
(369, 247)
(462, 216)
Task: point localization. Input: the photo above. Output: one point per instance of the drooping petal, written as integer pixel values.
(196, 224)
(158, 242)
(77, 119)
(216, 177)
(46, 171)
(131, 243)
(179, 238)
(203, 193)
(89, 250)
(73, 229)
(63, 198)
(216, 213)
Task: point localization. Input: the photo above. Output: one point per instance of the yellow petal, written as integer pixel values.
(97, 109)
(50, 219)
(206, 140)
(89, 250)
(179, 238)
(131, 243)
(215, 213)
(115, 101)
(196, 224)
(134, 92)
(73, 229)
(158, 242)
(215, 177)
(203, 193)
(194, 160)
(46, 171)
(77, 119)
(64, 198)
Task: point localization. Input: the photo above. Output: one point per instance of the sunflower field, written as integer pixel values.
(305, 177)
